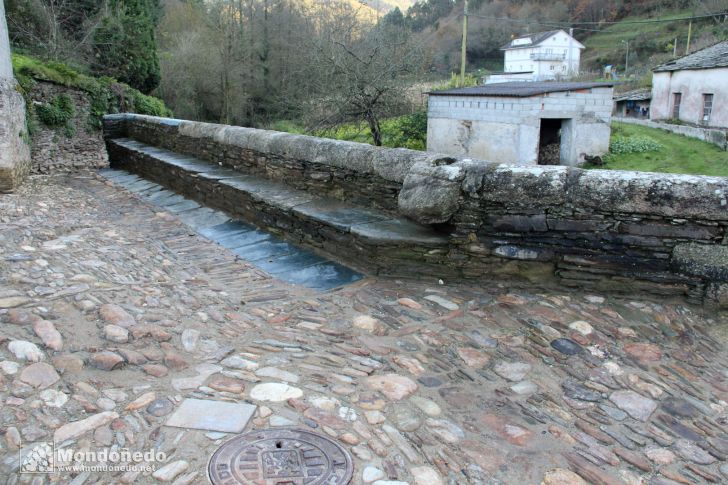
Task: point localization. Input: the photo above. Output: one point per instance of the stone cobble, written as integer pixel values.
(119, 324)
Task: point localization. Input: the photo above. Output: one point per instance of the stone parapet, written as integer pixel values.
(610, 231)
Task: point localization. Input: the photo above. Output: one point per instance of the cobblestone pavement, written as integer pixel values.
(114, 314)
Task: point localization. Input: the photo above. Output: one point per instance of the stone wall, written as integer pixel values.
(715, 136)
(353, 172)
(56, 149)
(611, 231)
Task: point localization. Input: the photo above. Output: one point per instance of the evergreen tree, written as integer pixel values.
(124, 46)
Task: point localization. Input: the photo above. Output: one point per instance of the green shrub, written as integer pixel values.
(148, 105)
(56, 113)
(408, 131)
(634, 144)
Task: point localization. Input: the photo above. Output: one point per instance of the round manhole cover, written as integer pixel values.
(281, 456)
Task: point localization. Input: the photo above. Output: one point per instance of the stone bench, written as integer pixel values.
(375, 241)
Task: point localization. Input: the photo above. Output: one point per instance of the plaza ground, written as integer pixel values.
(113, 313)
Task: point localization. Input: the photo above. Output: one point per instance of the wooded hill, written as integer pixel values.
(604, 26)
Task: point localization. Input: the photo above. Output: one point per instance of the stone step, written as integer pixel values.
(281, 259)
(378, 241)
(378, 227)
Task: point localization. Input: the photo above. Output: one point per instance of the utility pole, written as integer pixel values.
(690, 31)
(463, 48)
(570, 70)
(626, 58)
(674, 48)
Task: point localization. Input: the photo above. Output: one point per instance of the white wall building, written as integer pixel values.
(694, 88)
(544, 56)
(522, 122)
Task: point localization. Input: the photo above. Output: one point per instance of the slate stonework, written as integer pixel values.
(52, 149)
(608, 231)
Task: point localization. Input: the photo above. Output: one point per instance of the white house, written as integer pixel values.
(694, 88)
(544, 56)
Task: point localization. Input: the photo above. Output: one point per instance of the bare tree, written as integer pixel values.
(56, 29)
(364, 74)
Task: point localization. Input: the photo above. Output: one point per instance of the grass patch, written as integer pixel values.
(653, 150)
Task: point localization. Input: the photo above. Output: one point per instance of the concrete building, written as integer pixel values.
(522, 122)
(694, 88)
(14, 151)
(540, 57)
(633, 104)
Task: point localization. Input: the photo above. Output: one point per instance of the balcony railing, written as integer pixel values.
(547, 56)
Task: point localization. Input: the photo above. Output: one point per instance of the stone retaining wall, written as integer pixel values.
(610, 231)
(55, 149)
(715, 136)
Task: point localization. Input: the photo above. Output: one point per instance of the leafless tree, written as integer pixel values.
(364, 74)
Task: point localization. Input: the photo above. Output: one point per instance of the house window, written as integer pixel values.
(552, 67)
(677, 97)
(707, 107)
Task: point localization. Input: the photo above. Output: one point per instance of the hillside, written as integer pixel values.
(649, 43)
(491, 24)
(387, 5)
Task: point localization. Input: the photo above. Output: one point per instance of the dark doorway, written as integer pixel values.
(549, 142)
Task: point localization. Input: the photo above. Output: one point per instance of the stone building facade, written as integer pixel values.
(694, 88)
(522, 122)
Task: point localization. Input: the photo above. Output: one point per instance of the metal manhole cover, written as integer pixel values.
(282, 456)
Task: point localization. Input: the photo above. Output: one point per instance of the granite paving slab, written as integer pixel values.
(225, 417)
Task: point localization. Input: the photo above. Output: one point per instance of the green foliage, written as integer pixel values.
(287, 126)
(124, 45)
(105, 93)
(677, 153)
(56, 113)
(408, 131)
(149, 105)
(633, 144)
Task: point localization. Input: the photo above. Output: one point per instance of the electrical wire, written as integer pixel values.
(564, 25)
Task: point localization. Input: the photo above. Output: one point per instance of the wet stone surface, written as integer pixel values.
(114, 313)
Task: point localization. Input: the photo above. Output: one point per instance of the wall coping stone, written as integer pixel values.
(645, 193)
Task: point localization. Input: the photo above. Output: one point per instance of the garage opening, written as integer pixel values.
(549, 142)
